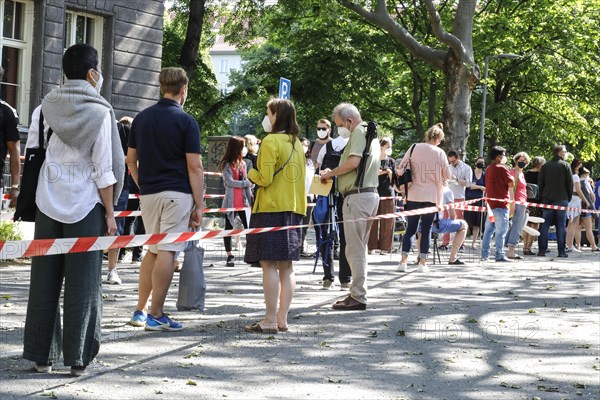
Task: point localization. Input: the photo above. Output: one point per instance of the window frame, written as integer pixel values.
(98, 36)
(25, 46)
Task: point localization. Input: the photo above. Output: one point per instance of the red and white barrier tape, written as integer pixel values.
(206, 196)
(43, 247)
(547, 206)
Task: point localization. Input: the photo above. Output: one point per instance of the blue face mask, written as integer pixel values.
(521, 164)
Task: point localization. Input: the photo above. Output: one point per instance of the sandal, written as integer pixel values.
(282, 328)
(256, 328)
(516, 257)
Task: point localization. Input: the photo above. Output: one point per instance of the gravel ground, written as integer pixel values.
(525, 330)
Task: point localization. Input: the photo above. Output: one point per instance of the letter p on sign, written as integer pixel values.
(285, 86)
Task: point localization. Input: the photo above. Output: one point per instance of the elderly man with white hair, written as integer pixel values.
(360, 203)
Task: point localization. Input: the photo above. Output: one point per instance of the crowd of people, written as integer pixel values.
(157, 154)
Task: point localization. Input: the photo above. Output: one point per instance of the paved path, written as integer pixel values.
(519, 331)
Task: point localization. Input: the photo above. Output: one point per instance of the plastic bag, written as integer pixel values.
(192, 285)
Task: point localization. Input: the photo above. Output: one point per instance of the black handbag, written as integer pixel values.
(34, 158)
(406, 176)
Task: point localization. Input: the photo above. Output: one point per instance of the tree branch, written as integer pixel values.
(382, 19)
(440, 33)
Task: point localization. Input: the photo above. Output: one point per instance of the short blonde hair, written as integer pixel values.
(435, 132)
(522, 154)
(251, 144)
(172, 79)
(324, 121)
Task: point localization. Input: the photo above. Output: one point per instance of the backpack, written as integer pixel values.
(332, 157)
(321, 210)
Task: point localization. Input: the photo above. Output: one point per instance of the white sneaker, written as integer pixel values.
(423, 268)
(113, 277)
(573, 249)
(403, 267)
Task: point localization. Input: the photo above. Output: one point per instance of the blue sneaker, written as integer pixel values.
(138, 319)
(163, 323)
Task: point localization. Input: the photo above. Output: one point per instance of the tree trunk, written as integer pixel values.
(189, 52)
(431, 101)
(457, 105)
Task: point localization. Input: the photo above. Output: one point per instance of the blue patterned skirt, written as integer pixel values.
(282, 245)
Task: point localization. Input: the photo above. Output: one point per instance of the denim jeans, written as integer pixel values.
(516, 226)
(426, 221)
(559, 219)
(500, 227)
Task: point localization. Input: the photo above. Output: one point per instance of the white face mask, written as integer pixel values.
(388, 151)
(98, 82)
(244, 151)
(503, 161)
(305, 149)
(266, 124)
(344, 132)
(322, 134)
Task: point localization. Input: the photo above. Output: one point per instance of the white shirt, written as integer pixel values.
(576, 179)
(338, 144)
(448, 198)
(463, 172)
(70, 178)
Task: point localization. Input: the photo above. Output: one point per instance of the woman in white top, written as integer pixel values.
(577, 202)
(77, 187)
(586, 217)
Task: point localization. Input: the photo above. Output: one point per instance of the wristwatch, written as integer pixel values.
(15, 187)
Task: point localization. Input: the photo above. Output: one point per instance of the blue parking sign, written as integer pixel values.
(285, 86)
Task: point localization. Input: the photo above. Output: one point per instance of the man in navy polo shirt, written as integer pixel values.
(164, 160)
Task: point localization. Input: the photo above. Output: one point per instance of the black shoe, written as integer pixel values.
(456, 262)
(541, 254)
(563, 255)
(229, 262)
(136, 259)
(443, 247)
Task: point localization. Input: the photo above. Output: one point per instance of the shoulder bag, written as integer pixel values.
(34, 158)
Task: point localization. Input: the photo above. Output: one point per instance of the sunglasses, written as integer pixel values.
(321, 129)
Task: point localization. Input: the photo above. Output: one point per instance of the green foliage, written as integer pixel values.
(551, 95)
(330, 54)
(10, 231)
(202, 89)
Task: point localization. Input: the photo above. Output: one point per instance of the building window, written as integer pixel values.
(224, 66)
(84, 28)
(16, 43)
(223, 88)
(13, 21)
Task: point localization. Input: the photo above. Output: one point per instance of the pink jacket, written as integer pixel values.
(429, 168)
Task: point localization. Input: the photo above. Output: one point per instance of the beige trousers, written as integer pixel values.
(358, 206)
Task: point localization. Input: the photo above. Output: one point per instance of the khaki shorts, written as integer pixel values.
(166, 212)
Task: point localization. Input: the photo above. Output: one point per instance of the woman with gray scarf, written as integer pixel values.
(79, 182)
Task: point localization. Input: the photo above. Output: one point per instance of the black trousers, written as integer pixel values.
(133, 226)
(79, 338)
(229, 225)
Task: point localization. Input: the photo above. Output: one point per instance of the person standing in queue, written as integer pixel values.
(280, 201)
